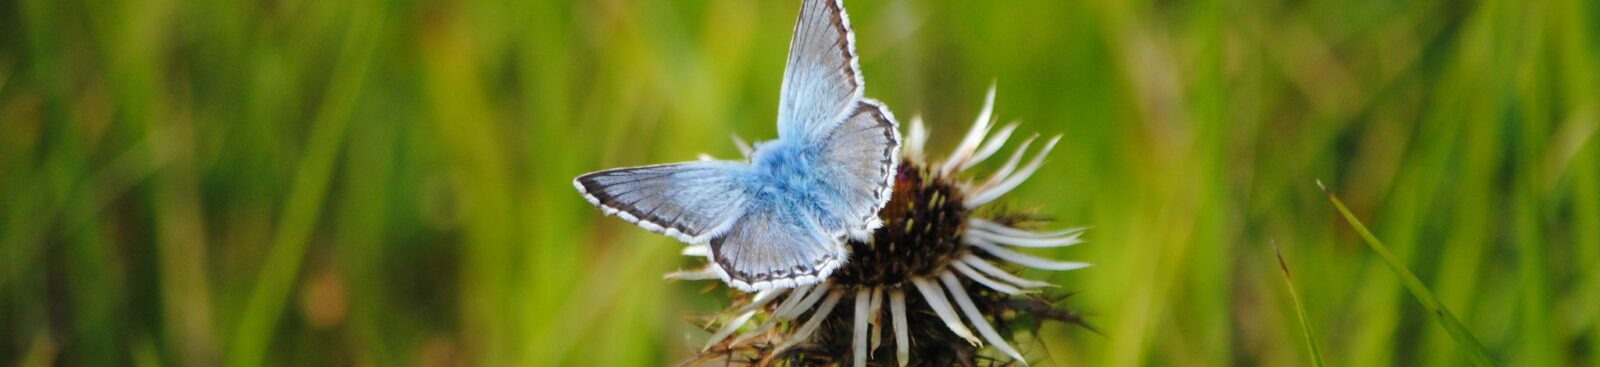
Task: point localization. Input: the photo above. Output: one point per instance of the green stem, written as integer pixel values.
(1300, 310)
(1457, 331)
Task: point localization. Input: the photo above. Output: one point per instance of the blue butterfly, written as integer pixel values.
(781, 219)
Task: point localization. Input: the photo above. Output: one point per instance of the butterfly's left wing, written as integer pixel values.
(822, 80)
(692, 202)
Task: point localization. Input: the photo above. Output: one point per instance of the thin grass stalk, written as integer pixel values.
(1458, 332)
(1300, 311)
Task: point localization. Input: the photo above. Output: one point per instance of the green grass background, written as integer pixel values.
(387, 183)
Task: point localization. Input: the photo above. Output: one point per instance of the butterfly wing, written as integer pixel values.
(861, 157)
(822, 79)
(775, 246)
(692, 202)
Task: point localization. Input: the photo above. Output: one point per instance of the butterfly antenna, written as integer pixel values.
(744, 147)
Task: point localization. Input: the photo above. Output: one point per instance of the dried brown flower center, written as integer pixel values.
(921, 233)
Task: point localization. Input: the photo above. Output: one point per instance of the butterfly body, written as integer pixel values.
(792, 176)
(781, 219)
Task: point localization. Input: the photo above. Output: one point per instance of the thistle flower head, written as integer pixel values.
(931, 287)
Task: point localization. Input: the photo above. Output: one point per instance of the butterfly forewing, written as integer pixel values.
(822, 79)
(688, 201)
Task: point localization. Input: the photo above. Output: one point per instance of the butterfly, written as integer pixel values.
(782, 218)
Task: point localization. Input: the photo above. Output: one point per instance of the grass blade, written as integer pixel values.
(1457, 331)
(1300, 310)
(276, 282)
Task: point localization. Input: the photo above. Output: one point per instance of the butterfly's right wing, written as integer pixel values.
(692, 202)
(822, 78)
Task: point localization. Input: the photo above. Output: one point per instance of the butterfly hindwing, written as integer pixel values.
(688, 201)
(822, 79)
(776, 246)
(862, 154)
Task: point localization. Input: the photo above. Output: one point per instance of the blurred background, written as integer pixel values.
(388, 183)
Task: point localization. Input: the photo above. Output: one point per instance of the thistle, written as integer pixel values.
(938, 265)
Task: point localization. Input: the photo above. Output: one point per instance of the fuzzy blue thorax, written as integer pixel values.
(792, 180)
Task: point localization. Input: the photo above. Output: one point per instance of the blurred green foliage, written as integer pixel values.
(387, 183)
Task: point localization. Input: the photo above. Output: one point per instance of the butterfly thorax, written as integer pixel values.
(788, 168)
(790, 177)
